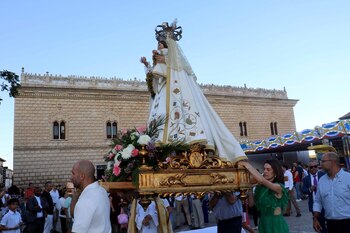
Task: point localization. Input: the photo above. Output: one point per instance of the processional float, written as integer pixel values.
(136, 166)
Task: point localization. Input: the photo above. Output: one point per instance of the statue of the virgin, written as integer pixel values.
(176, 96)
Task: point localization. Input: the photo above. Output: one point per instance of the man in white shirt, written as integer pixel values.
(333, 195)
(55, 198)
(288, 184)
(91, 212)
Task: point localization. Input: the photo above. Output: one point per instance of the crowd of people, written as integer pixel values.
(89, 208)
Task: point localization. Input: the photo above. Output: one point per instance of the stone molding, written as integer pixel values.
(114, 83)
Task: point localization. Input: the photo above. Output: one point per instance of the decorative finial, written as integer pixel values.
(22, 69)
(164, 30)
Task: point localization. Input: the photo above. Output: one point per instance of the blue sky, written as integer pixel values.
(300, 45)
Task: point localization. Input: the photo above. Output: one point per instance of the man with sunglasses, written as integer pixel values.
(333, 195)
(310, 188)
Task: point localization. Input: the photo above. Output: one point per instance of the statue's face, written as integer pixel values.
(160, 46)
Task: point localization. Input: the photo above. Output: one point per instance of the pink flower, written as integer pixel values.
(118, 147)
(116, 170)
(135, 152)
(124, 131)
(141, 129)
(111, 156)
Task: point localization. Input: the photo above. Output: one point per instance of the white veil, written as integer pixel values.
(176, 58)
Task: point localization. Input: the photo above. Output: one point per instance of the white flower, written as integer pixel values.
(130, 147)
(126, 152)
(109, 165)
(144, 140)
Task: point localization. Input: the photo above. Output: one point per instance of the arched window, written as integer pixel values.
(245, 132)
(114, 130)
(56, 130)
(59, 130)
(273, 128)
(63, 130)
(241, 128)
(109, 129)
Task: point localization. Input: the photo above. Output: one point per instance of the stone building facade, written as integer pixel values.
(84, 106)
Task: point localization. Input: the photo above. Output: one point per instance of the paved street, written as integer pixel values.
(301, 224)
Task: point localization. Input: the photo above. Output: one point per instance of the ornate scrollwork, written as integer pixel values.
(220, 179)
(197, 158)
(173, 180)
(180, 162)
(227, 164)
(212, 162)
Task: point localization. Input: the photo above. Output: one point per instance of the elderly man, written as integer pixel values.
(333, 195)
(91, 212)
(310, 188)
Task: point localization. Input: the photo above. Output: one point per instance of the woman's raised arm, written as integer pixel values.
(261, 180)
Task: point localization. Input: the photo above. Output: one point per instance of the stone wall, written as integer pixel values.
(86, 104)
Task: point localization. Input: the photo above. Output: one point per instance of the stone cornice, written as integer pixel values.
(130, 95)
(99, 83)
(71, 93)
(63, 147)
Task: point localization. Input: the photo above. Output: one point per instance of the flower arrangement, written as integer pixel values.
(124, 158)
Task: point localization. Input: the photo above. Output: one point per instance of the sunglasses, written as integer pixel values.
(313, 166)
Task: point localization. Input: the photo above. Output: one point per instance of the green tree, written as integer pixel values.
(10, 83)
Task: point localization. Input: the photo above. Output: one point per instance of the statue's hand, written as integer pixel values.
(144, 61)
(160, 59)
